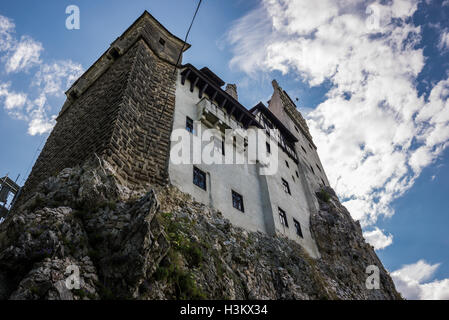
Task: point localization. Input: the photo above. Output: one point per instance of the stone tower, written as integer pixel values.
(113, 110)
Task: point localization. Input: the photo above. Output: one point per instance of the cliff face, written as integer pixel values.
(160, 244)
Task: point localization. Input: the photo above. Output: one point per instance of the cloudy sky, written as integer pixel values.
(372, 78)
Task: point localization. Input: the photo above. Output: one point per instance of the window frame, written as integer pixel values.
(297, 225)
(286, 186)
(189, 121)
(234, 195)
(223, 147)
(197, 170)
(283, 217)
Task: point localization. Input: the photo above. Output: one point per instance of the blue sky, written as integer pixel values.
(372, 77)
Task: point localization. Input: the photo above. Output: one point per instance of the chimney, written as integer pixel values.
(231, 89)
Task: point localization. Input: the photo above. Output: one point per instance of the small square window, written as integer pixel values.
(286, 186)
(286, 163)
(283, 217)
(199, 178)
(268, 148)
(162, 41)
(298, 228)
(189, 124)
(237, 201)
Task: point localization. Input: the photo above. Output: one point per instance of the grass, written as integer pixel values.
(172, 269)
(324, 196)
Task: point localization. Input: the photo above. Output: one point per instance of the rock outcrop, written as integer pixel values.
(160, 244)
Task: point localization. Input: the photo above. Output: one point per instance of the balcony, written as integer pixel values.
(215, 117)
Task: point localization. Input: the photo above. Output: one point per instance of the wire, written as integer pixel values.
(166, 98)
(180, 53)
(34, 156)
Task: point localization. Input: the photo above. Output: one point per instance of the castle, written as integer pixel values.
(125, 107)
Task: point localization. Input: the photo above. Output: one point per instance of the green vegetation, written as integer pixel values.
(324, 196)
(172, 268)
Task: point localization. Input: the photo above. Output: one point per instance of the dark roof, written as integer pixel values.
(262, 108)
(186, 45)
(8, 182)
(146, 13)
(212, 76)
(224, 99)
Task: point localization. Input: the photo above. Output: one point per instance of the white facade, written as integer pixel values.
(263, 195)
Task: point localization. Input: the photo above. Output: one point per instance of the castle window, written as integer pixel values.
(323, 182)
(310, 146)
(222, 147)
(297, 174)
(296, 129)
(303, 149)
(293, 178)
(286, 163)
(268, 148)
(189, 124)
(283, 217)
(318, 167)
(298, 228)
(199, 178)
(311, 168)
(237, 201)
(286, 186)
(162, 41)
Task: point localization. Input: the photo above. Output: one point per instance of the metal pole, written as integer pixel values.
(1, 187)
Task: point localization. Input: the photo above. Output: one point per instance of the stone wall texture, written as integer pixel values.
(163, 245)
(118, 118)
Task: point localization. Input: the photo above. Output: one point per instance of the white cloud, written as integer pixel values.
(411, 279)
(20, 55)
(378, 239)
(6, 30)
(445, 3)
(49, 80)
(443, 45)
(54, 78)
(13, 100)
(374, 132)
(24, 55)
(40, 123)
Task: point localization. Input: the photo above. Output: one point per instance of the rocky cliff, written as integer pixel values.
(160, 244)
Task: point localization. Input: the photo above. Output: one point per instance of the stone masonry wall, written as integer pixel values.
(117, 118)
(86, 127)
(141, 138)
